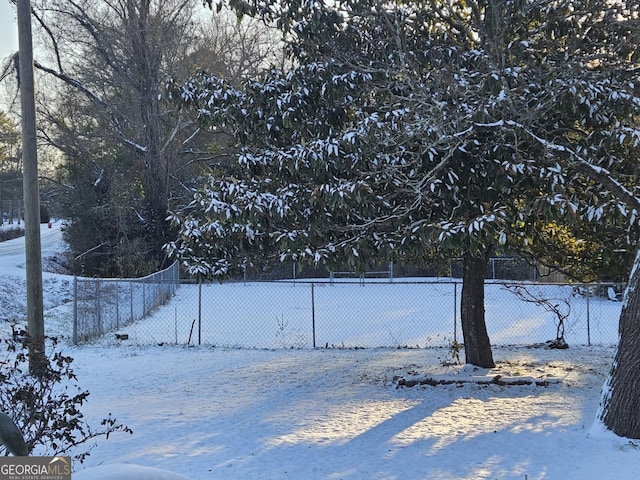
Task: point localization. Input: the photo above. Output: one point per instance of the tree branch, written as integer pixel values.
(95, 99)
(596, 173)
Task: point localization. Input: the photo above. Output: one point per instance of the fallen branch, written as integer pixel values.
(478, 380)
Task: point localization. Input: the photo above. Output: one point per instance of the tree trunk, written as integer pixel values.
(149, 71)
(620, 407)
(477, 347)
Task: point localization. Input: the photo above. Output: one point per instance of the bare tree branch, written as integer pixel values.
(95, 99)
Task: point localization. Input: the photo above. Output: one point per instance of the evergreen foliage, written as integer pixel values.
(418, 129)
(423, 127)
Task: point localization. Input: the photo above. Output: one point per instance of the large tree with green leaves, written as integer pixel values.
(412, 128)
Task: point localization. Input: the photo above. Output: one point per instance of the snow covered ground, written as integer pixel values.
(330, 414)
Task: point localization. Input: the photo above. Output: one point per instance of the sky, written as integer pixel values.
(8, 29)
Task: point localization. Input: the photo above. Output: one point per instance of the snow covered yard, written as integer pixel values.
(338, 414)
(330, 414)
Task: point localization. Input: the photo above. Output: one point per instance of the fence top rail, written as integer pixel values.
(151, 276)
(396, 281)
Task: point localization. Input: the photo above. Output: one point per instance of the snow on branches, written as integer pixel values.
(449, 139)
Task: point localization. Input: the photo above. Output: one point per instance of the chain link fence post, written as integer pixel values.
(199, 312)
(75, 310)
(588, 315)
(313, 313)
(455, 312)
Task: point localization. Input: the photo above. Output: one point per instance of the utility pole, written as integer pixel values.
(33, 252)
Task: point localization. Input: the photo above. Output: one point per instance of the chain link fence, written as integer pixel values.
(369, 313)
(107, 305)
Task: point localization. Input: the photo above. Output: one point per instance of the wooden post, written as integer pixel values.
(33, 252)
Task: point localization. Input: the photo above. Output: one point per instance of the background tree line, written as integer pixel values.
(10, 171)
(123, 153)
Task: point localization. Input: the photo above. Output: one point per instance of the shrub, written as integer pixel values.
(11, 233)
(46, 408)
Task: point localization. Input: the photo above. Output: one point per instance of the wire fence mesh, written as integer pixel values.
(106, 305)
(369, 313)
